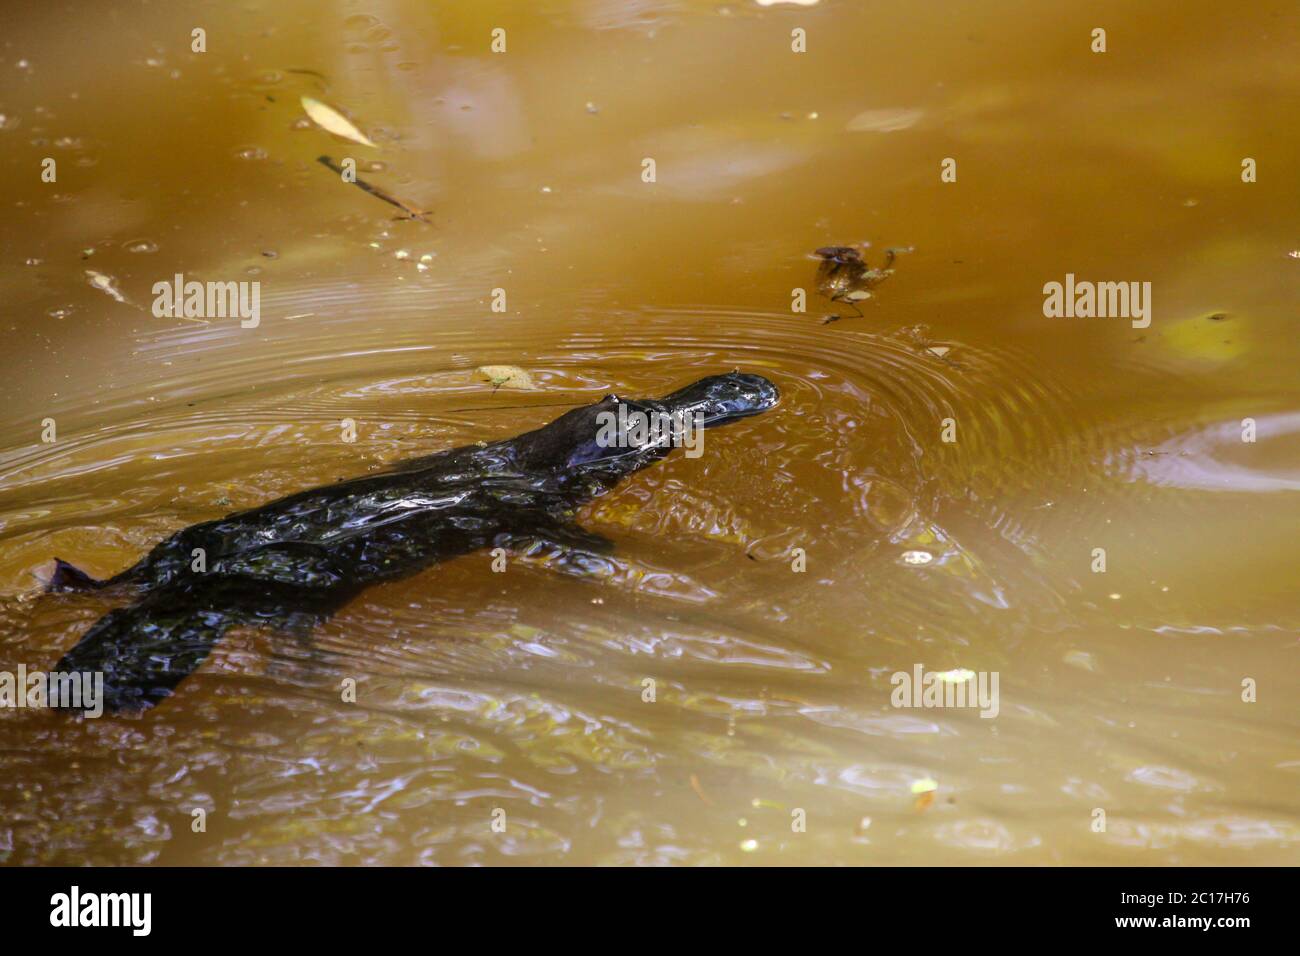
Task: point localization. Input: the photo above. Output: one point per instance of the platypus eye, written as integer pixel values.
(611, 397)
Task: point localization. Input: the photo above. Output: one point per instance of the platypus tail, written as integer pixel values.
(145, 649)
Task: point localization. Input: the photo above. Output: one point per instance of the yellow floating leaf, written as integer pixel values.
(505, 376)
(925, 785)
(958, 676)
(328, 118)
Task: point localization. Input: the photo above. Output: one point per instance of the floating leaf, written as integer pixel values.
(884, 121)
(925, 785)
(505, 376)
(335, 122)
(959, 676)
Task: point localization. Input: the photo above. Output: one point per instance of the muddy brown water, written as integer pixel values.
(524, 692)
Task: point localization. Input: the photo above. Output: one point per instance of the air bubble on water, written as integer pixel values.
(917, 557)
(34, 262)
(253, 271)
(591, 107)
(251, 152)
(60, 312)
(23, 65)
(270, 76)
(421, 267)
(301, 122)
(401, 254)
(141, 246)
(427, 257)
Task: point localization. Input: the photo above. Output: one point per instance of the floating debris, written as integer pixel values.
(331, 120)
(1082, 660)
(958, 675)
(844, 276)
(105, 284)
(925, 785)
(884, 121)
(699, 791)
(924, 790)
(505, 376)
(411, 211)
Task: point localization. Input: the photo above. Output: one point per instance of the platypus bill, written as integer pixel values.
(292, 563)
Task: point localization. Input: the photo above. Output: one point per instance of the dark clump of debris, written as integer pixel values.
(844, 276)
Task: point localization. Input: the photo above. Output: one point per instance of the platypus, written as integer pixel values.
(293, 562)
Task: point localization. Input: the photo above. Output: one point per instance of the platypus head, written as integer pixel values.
(719, 399)
(617, 436)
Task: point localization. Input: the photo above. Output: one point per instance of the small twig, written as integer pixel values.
(375, 191)
(695, 785)
(502, 408)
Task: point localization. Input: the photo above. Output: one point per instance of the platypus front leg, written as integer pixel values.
(145, 649)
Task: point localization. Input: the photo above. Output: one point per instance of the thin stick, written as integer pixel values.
(375, 191)
(506, 408)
